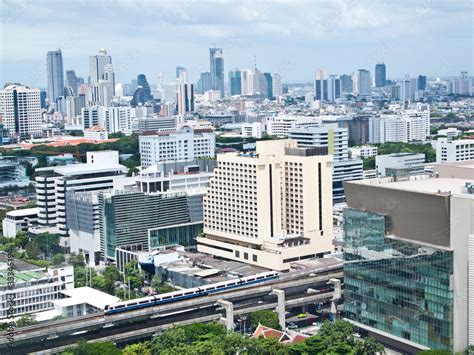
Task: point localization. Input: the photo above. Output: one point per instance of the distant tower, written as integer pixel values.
(71, 83)
(97, 65)
(380, 75)
(216, 65)
(55, 73)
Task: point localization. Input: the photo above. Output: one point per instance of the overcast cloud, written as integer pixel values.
(433, 37)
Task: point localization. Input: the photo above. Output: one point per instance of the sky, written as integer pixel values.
(290, 37)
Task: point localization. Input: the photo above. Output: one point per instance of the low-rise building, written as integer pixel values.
(364, 151)
(35, 290)
(96, 133)
(19, 220)
(13, 174)
(82, 301)
(450, 151)
(412, 163)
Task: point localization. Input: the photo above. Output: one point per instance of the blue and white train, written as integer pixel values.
(155, 300)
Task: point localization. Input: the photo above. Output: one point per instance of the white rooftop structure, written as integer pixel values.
(86, 295)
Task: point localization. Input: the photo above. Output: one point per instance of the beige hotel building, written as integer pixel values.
(270, 208)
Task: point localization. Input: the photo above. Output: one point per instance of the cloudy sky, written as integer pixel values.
(292, 37)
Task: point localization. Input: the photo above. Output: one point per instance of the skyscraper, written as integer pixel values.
(71, 83)
(204, 83)
(279, 210)
(20, 108)
(364, 82)
(55, 72)
(216, 63)
(276, 84)
(321, 85)
(180, 71)
(421, 82)
(268, 93)
(142, 93)
(246, 76)
(346, 84)
(185, 98)
(97, 65)
(235, 82)
(333, 88)
(380, 75)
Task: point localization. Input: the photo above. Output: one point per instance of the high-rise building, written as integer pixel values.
(246, 76)
(266, 86)
(335, 141)
(346, 84)
(185, 98)
(333, 88)
(321, 85)
(380, 75)
(97, 65)
(55, 72)
(364, 82)
(142, 93)
(74, 105)
(277, 210)
(462, 85)
(276, 84)
(422, 82)
(53, 184)
(204, 83)
(216, 62)
(235, 82)
(183, 144)
(71, 83)
(407, 261)
(20, 109)
(90, 116)
(359, 129)
(180, 71)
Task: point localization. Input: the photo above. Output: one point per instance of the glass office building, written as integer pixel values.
(184, 235)
(397, 286)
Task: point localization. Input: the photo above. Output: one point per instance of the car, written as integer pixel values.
(357, 335)
(292, 326)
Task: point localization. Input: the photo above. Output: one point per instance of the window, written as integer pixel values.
(246, 256)
(254, 258)
(237, 254)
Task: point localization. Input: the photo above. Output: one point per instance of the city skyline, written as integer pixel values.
(293, 39)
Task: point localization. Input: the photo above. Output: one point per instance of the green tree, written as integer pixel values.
(368, 346)
(434, 352)
(77, 260)
(266, 318)
(25, 320)
(100, 348)
(137, 349)
(111, 275)
(32, 250)
(134, 277)
(21, 239)
(48, 243)
(58, 259)
(169, 339)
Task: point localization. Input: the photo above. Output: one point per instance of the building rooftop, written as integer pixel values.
(420, 184)
(19, 265)
(23, 212)
(75, 169)
(88, 295)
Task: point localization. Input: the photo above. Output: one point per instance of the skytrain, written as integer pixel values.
(175, 296)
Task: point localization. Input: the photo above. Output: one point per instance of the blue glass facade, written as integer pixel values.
(396, 286)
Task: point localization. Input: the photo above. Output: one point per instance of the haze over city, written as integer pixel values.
(290, 37)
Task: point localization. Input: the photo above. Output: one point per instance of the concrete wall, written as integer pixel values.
(413, 215)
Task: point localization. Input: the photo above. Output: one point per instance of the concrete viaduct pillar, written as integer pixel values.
(229, 314)
(280, 307)
(336, 296)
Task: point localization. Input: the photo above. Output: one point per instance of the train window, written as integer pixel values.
(188, 293)
(232, 284)
(143, 302)
(261, 277)
(250, 280)
(165, 298)
(220, 286)
(121, 306)
(210, 288)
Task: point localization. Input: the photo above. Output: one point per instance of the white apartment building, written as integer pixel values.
(270, 208)
(144, 124)
(176, 176)
(334, 138)
(414, 163)
(35, 290)
(450, 151)
(364, 151)
(254, 130)
(90, 116)
(280, 125)
(183, 144)
(20, 109)
(450, 132)
(116, 119)
(100, 172)
(96, 133)
(19, 220)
